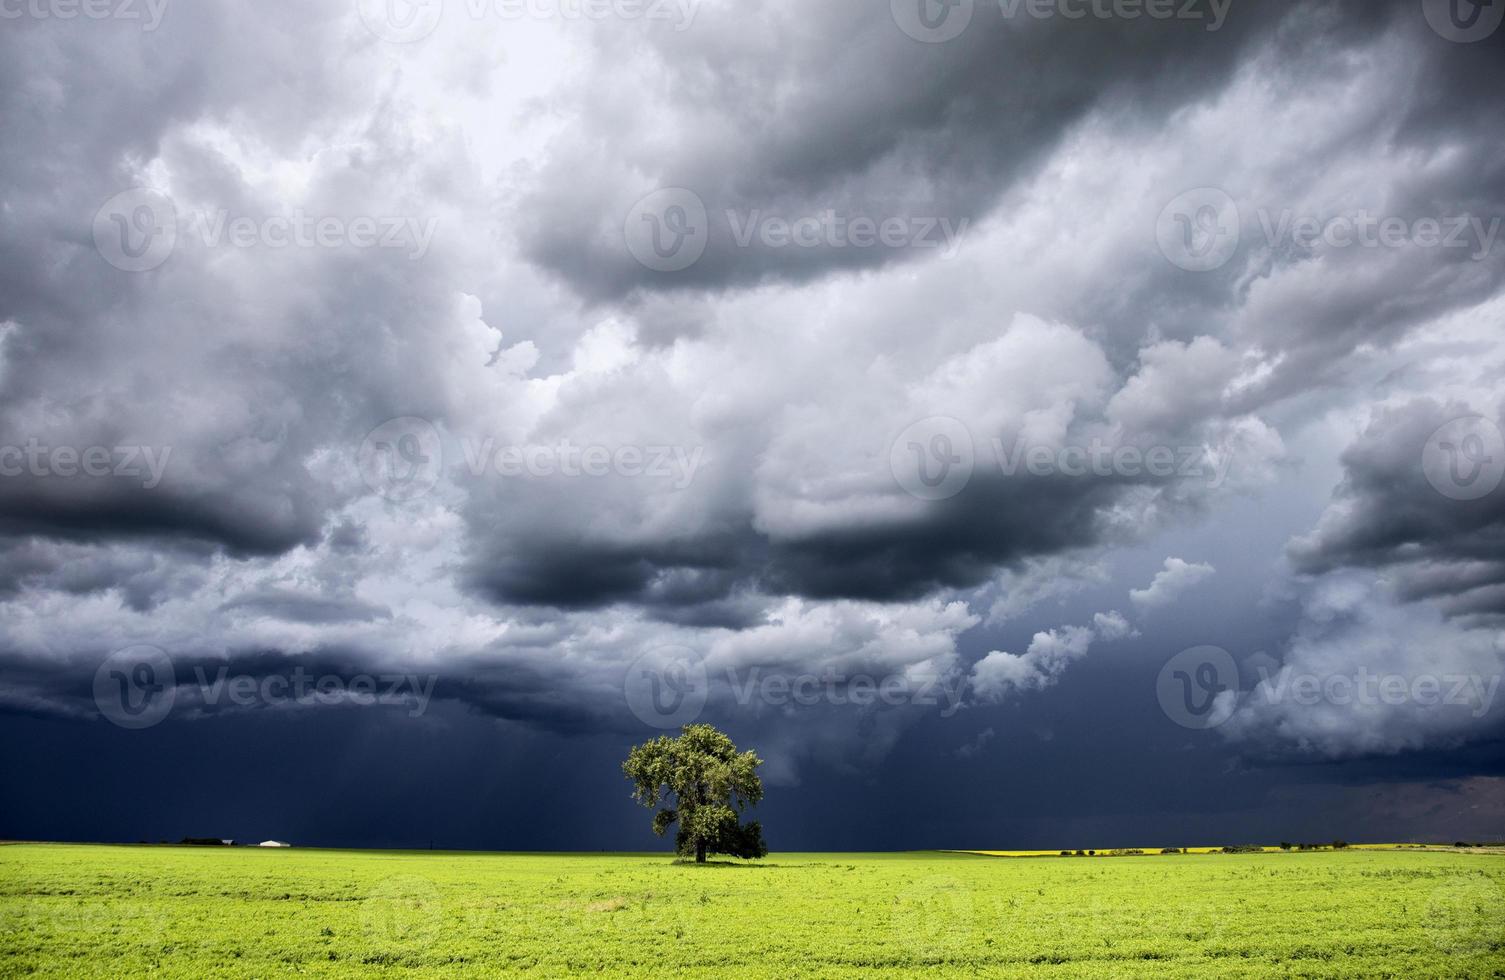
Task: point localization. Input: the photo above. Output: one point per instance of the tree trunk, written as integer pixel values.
(700, 794)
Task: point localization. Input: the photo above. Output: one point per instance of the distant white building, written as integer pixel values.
(274, 843)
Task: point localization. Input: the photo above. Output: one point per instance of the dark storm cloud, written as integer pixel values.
(348, 536)
(538, 695)
(528, 550)
(770, 509)
(1315, 306)
(709, 584)
(836, 108)
(1406, 586)
(947, 125)
(535, 570)
(791, 543)
(71, 509)
(291, 606)
(143, 577)
(206, 687)
(994, 522)
(1389, 514)
(240, 382)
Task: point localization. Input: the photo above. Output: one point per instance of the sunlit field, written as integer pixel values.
(194, 912)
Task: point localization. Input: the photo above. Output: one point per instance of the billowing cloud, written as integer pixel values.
(1366, 675)
(1050, 653)
(1170, 582)
(1420, 501)
(359, 369)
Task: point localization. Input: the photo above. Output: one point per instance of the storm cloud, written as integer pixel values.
(806, 343)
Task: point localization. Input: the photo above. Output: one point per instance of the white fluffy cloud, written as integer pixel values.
(1170, 582)
(1050, 653)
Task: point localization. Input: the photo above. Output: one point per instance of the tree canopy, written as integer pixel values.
(704, 785)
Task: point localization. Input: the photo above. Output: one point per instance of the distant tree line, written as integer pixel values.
(1336, 845)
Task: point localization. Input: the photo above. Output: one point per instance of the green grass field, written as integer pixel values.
(198, 912)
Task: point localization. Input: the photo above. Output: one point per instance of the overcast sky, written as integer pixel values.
(1027, 423)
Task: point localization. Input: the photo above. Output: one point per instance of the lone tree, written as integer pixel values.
(711, 783)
